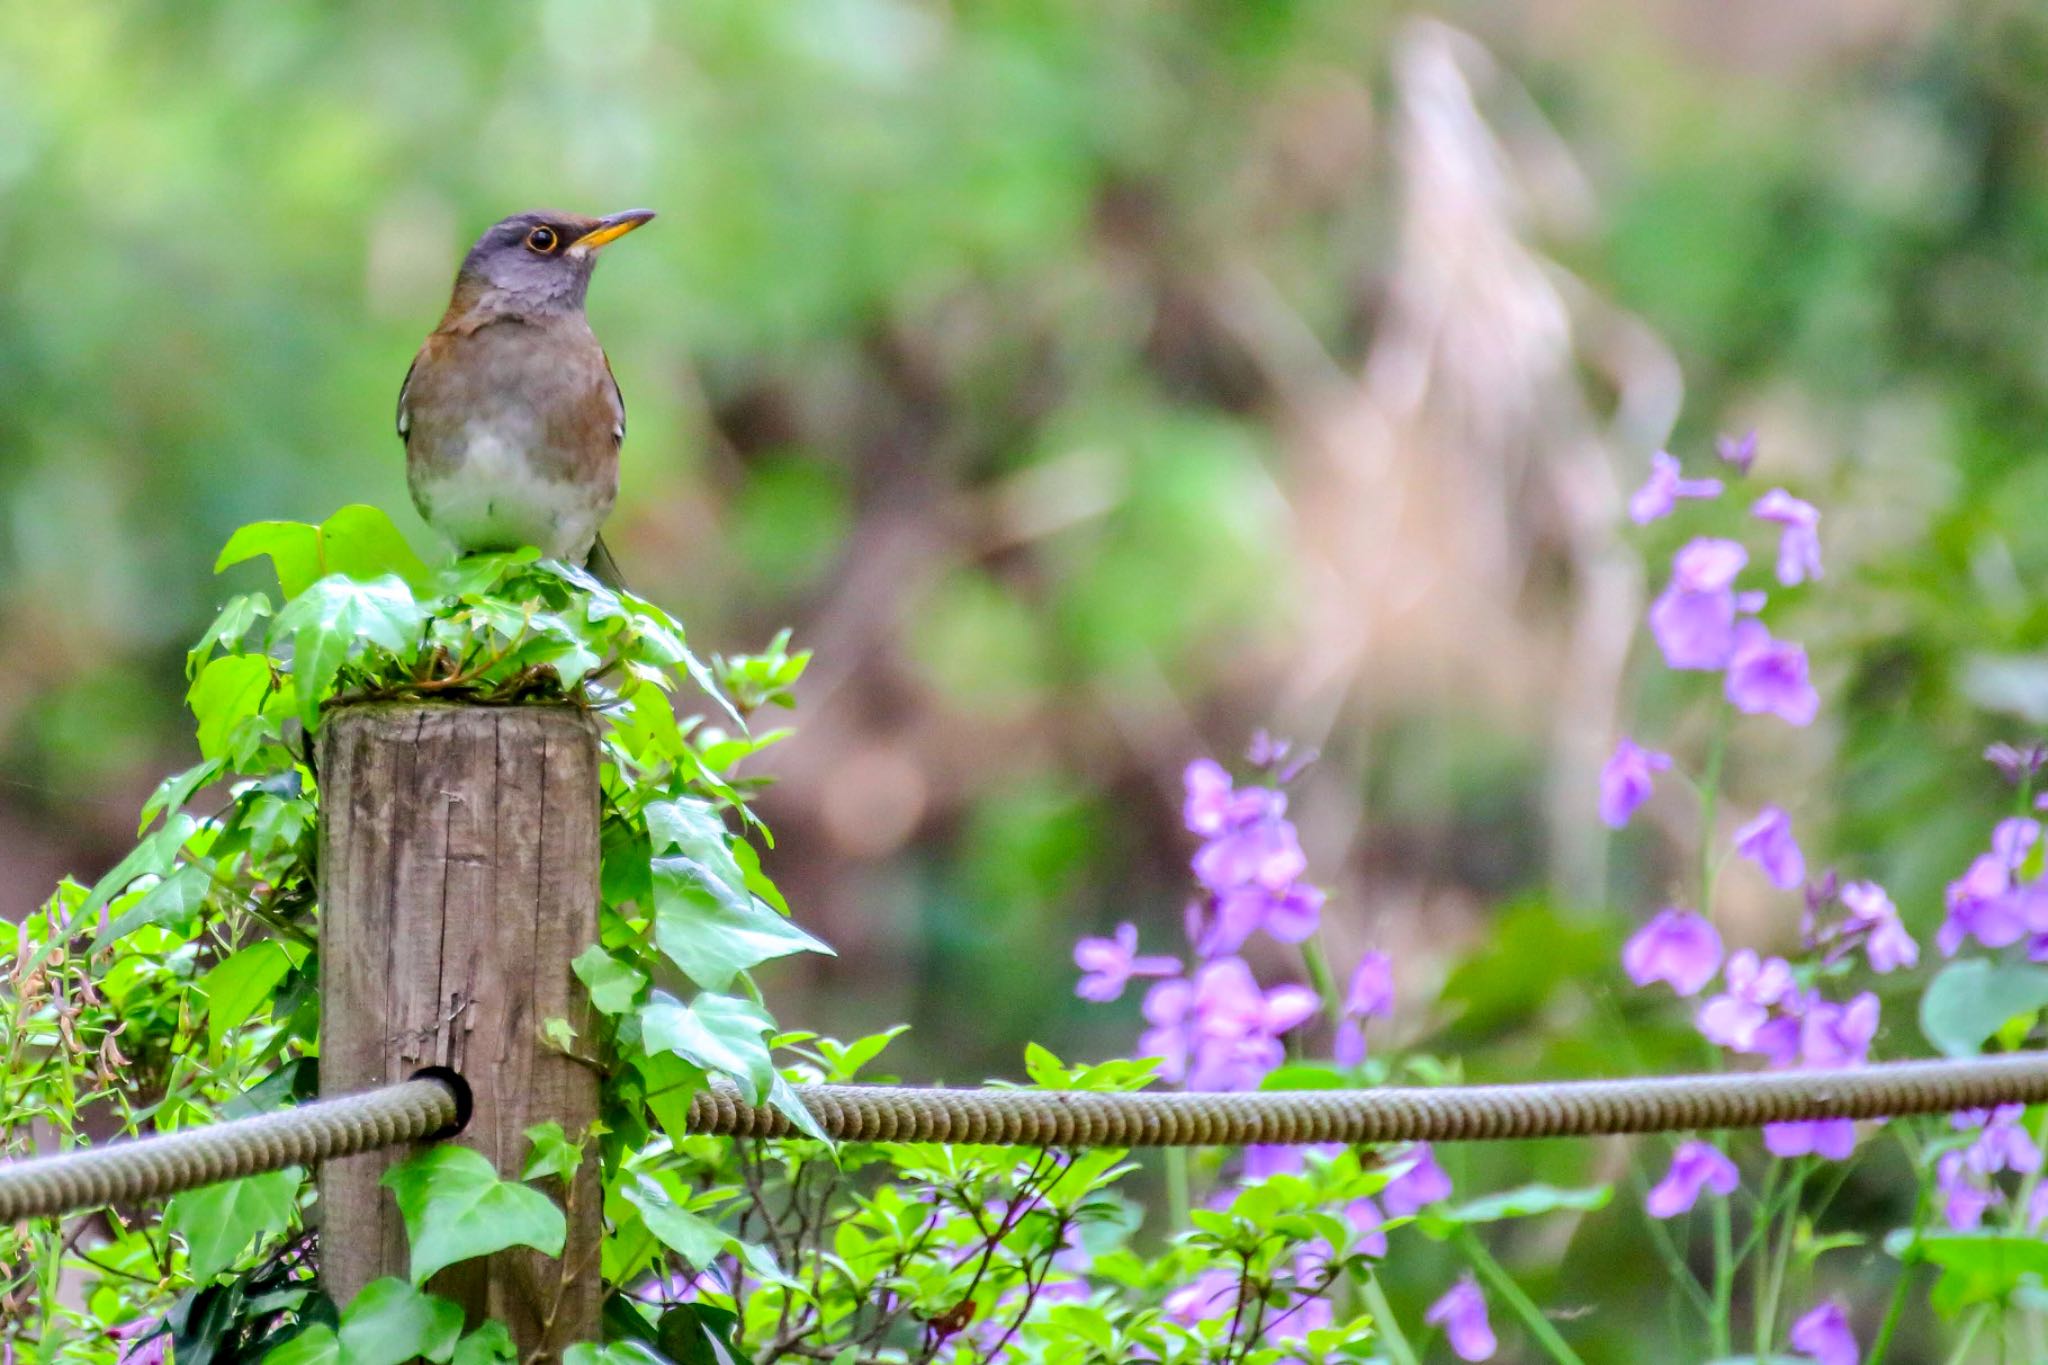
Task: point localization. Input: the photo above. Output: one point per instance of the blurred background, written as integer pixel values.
(1091, 384)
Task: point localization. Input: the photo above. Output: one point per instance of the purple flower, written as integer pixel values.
(1206, 809)
(1799, 543)
(1364, 1217)
(1981, 906)
(1678, 947)
(1739, 451)
(1660, 494)
(1965, 1198)
(1289, 915)
(2018, 763)
(1767, 841)
(1768, 677)
(1370, 994)
(1421, 1185)
(2012, 839)
(1838, 1035)
(1625, 781)
(1461, 1312)
(1887, 943)
(1264, 852)
(1108, 964)
(1213, 1294)
(1695, 1165)
(148, 1352)
(1693, 619)
(2037, 1208)
(1740, 1017)
(1824, 1336)
(2003, 1146)
(1834, 1139)
(1219, 1031)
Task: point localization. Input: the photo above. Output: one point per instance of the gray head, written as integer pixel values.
(537, 262)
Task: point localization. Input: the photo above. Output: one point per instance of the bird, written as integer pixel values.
(510, 415)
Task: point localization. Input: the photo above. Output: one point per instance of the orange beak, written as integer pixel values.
(611, 228)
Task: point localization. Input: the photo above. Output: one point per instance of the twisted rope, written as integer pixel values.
(148, 1168)
(1036, 1118)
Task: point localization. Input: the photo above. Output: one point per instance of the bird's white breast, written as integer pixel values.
(493, 496)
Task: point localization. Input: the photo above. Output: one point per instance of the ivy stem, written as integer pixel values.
(1525, 1308)
(1387, 1329)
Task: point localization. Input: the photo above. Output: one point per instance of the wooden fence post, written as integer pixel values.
(458, 877)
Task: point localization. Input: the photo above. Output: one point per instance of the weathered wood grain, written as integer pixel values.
(459, 875)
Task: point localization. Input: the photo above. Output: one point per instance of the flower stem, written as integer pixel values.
(1179, 1201)
(1384, 1326)
(1896, 1307)
(1773, 1278)
(1525, 1308)
(1720, 1326)
(1317, 963)
(1710, 797)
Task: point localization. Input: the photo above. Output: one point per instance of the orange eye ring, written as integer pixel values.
(542, 239)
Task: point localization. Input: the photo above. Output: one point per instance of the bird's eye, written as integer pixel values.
(542, 239)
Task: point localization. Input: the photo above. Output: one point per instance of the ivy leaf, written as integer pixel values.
(717, 1032)
(691, 1236)
(240, 984)
(612, 1353)
(551, 1153)
(457, 1207)
(782, 1096)
(293, 547)
(169, 901)
(173, 792)
(220, 1222)
(706, 921)
(613, 985)
(317, 1345)
(1976, 1267)
(363, 542)
(229, 626)
(227, 692)
(1968, 1001)
(154, 856)
(391, 1322)
(332, 618)
(488, 1343)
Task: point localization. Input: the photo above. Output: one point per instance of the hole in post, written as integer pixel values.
(465, 1102)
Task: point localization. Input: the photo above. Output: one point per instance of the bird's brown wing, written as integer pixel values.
(405, 416)
(600, 561)
(618, 400)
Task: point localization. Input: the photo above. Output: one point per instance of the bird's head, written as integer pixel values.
(538, 262)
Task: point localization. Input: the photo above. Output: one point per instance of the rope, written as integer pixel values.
(434, 1105)
(1036, 1118)
(148, 1168)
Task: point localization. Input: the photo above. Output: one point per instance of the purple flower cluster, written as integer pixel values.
(1995, 901)
(1965, 1178)
(1213, 1027)
(1702, 621)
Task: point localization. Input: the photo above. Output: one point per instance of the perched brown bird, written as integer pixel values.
(510, 415)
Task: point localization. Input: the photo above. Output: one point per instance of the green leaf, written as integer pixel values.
(782, 1097)
(457, 1207)
(317, 1345)
(1525, 1202)
(1977, 1267)
(220, 1222)
(691, 1236)
(173, 792)
(717, 1032)
(333, 618)
(168, 902)
(391, 1322)
(613, 984)
(612, 1353)
(706, 921)
(488, 1343)
(363, 542)
(227, 692)
(1968, 1001)
(153, 857)
(293, 547)
(229, 626)
(240, 983)
(551, 1153)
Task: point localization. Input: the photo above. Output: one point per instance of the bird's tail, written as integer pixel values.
(604, 567)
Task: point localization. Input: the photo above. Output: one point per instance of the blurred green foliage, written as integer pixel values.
(994, 347)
